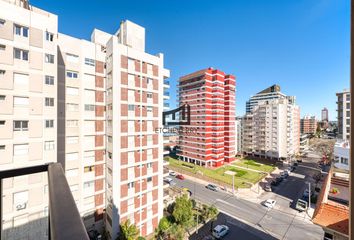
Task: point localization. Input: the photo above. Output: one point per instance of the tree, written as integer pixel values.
(164, 225)
(128, 231)
(213, 213)
(183, 210)
(176, 232)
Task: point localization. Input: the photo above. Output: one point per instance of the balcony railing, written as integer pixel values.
(64, 219)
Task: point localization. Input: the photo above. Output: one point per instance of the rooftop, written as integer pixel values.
(332, 209)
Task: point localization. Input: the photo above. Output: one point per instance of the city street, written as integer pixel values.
(281, 222)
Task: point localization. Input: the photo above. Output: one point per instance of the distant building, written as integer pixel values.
(210, 93)
(324, 114)
(271, 93)
(341, 154)
(343, 109)
(238, 132)
(308, 125)
(272, 127)
(304, 142)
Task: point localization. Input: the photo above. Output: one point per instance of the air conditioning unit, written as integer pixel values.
(21, 206)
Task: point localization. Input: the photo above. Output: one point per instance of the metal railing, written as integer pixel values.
(64, 219)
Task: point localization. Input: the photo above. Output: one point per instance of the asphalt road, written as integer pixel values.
(281, 222)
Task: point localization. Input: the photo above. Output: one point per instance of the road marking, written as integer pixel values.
(227, 203)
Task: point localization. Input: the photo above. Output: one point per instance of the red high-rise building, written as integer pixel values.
(210, 93)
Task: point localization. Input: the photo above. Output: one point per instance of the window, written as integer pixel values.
(72, 58)
(149, 95)
(149, 109)
(49, 58)
(49, 123)
(2, 47)
(49, 36)
(89, 107)
(72, 156)
(74, 188)
(2, 22)
(70, 74)
(21, 79)
(2, 147)
(149, 179)
(149, 80)
(72, 91)
(20, 200)
(90, 62)
(21, 101)
(21, 30)
(72, 172)
(130, 185)
(89, 169)
(72, 123)
(72, 140)
(49, 80)
(20, 125)
(2, 123)
(89, 184)
(20, 149)
(49, 102)
(72, 107)
(131, 107)
(2, 72)
(49, 145)
(2, 97)
(21, 54)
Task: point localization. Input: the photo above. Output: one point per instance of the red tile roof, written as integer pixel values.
(333, 216)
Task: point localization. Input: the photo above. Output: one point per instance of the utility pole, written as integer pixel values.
(233, 184)
(309, 197)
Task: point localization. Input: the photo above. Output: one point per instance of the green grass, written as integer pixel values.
(251, 164)
(242, 178)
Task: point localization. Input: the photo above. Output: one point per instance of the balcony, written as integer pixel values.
(64, 221)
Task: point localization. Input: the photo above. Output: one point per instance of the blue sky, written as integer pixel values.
(301, 45)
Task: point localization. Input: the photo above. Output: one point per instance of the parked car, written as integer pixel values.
(270, 203)
(284, 174)
(267, 188)
(295, 164)
(220, 230)
(212, 187)
(167, 180)
(173, 174)
(274, 183)
(180, 176)
(301, 205)
(279, 179)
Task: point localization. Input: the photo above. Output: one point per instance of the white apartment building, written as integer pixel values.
(81, 124)
(238, 131)
(341, 154)
(93, 106)
(28, 114)
(343, 109)
(272, 129)
(134, 151)
(271, 93)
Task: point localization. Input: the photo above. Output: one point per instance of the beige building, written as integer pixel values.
(343, 110)
(81, 124)
(28, 114)
(272, 129)
(308, 125)
(93, 106)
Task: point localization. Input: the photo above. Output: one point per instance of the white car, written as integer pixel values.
(270, 203)
(167, 180)
(220, 230)
(173, 174)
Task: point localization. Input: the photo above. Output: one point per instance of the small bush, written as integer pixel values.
(239, 172)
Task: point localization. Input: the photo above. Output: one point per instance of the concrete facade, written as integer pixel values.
(28, 115)
(343, 111)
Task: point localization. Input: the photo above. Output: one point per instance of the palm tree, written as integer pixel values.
(128, 231)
